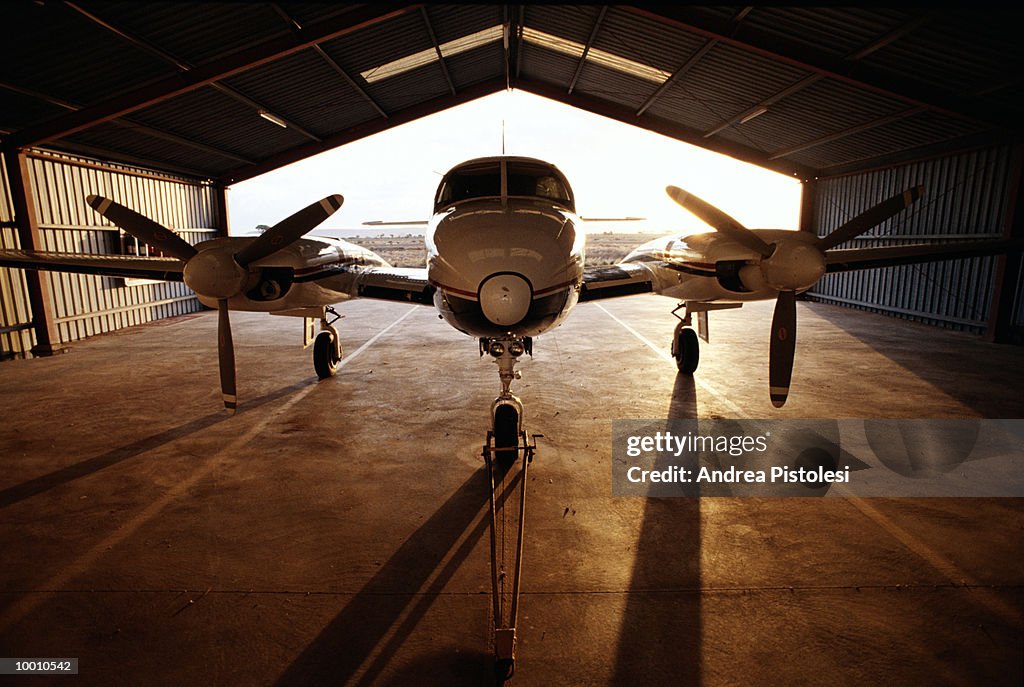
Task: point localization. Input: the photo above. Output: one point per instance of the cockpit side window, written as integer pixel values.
(476, 181)
(526, 179)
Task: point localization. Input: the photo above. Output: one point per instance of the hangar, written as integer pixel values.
(184, 549)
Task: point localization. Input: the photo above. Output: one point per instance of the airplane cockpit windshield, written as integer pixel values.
(524, 178)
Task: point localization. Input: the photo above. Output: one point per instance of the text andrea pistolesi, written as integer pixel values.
(667, 444)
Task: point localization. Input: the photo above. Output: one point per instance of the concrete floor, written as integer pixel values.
(335, 532)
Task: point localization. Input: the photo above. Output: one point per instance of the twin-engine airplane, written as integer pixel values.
(505, 263)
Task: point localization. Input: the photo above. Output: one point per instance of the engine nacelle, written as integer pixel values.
(274, 283)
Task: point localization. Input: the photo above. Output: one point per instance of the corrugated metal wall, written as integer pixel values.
(16, 334)
(966, 198)
(85, 305)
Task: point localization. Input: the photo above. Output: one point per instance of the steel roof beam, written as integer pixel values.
(586, 48)
(207, 73)
(763, 104)
(690, 63)
(437, 49)
(906, 27)
(350, 81)
(295, 26)
(762, 43)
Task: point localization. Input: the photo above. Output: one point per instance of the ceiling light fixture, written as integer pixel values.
(272, 118)
(756, 113)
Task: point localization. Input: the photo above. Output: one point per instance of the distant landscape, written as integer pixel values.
(407, 250)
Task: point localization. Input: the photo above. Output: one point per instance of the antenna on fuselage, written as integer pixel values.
(502, 136)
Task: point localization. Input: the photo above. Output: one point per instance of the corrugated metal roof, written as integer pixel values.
(212, 118)
(939, 60)
(956, 51)
(574, 22)
(724, 83)
(645, 40)
(912, 132)
(454, 21)
(196, 31)
(379, 44)
(56, 51)
(840, 31)
(303, 88)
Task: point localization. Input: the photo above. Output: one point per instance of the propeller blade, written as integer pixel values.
(142, 227)
(780, 355)
(722, 222)
(289, 229)
(226, 355)
(871, 217)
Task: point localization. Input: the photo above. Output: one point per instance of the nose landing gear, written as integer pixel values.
(506, 443)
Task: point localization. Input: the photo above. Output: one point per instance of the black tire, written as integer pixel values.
(324, 361)
(506, 434)
(687, 351)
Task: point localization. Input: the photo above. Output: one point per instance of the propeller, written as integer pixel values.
(720, 221)
(790, 264)
(142, 227)
(214, 270)
(871, 217)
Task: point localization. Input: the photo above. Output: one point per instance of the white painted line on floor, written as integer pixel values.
(27, 603)
(943, 565)
(348, 358)
(715, 393)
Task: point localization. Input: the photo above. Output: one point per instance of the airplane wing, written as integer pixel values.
(405, 284)
(130, 266)
(866, 258)
(623, 279)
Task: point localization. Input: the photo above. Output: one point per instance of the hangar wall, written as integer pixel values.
(85, 305)
(968, 196)
(16, 334)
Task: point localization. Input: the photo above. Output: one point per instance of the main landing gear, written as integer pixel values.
(507, 444)
(327, 349)
(685, 348)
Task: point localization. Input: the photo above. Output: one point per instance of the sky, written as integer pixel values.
(615, 170)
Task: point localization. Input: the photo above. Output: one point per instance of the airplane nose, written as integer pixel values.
(505, 298)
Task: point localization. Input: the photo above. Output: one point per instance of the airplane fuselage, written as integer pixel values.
(504, 247)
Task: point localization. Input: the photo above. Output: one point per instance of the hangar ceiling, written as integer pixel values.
(227, 91)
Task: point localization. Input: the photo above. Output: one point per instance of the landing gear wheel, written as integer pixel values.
(686, 350)
(325, 362)
(506, 435)
(504, 669)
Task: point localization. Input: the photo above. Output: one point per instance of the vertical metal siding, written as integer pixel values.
(965, 199)
(16, 333)
(85, 305)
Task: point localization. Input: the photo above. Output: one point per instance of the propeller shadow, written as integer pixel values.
(660, 634)
(90, 466)
(397, 591)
